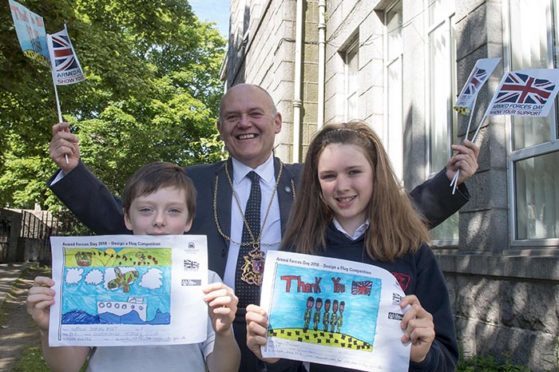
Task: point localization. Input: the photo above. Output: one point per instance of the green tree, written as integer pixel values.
(151, 92)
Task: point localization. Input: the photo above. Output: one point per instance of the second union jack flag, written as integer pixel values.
(483, 68)
(65, 66)
(525, 93)
(523, 88)
(477, 79)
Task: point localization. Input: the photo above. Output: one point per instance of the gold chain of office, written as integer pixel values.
(255, 242)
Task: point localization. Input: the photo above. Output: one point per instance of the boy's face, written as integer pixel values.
(162, 212)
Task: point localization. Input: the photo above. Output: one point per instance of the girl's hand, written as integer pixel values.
(418, 328)
(257, 331)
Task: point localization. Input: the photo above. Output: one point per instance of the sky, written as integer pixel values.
(213, 11)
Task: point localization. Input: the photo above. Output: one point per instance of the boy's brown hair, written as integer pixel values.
(153, 176)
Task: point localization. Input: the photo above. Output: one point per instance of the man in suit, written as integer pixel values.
(247, 124)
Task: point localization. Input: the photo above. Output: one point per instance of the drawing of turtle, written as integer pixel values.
(123, 280)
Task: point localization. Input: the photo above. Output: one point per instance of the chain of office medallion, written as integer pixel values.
(254, 240)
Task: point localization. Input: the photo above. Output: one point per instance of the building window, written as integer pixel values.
(534, 144)
(394, 133)
(351, 70)
(441, 94)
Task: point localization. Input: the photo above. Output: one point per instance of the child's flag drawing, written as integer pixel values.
(128, 290)
(334, 312)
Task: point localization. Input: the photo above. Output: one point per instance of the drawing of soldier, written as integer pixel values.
(326, 316)
(340, 317)
(317, 309)
(308, 311)
(334, 316)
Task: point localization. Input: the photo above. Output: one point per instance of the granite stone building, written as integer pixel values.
(399, 65)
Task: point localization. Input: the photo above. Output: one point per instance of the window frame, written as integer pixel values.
(533, 151)
(446, 21)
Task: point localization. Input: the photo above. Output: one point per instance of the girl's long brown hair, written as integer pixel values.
(395, 227)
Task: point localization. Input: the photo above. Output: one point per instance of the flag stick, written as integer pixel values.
(58, 110)
(479, 126)
(473, 140)
(457, 174)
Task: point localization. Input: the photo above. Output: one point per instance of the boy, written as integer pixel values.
(159, 199)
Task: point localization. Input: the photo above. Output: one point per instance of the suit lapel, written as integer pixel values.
(285, 192)
(224, 198)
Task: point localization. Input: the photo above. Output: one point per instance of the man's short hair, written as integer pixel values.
(153, 176)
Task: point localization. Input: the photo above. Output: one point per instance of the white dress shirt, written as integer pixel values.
(271, 226)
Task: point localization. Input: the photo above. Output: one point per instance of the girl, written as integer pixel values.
(353, 208)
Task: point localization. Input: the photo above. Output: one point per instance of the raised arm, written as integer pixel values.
(79, 189)
(434, 198)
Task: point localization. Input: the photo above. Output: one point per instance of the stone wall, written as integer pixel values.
(505, 296)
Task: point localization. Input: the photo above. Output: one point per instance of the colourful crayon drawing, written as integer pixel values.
(116, 285)
(324, 307)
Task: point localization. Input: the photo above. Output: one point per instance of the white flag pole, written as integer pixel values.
(52, 68)
(457, 174)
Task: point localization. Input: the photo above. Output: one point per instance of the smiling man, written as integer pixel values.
(248, 124)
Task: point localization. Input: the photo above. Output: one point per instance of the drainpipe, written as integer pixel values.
(321, 60)
(297, 101)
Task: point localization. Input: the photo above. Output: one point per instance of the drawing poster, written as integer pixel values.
(123, 290)
(334, 312)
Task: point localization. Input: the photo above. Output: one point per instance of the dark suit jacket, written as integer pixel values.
(95, 206)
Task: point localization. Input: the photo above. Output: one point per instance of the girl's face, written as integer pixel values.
(346, 180)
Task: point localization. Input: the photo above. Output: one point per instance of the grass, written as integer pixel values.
(31, 360)
(488, 364)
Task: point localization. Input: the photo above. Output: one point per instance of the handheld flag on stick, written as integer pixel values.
(523, 93)
(65, 67)
(466, 101)
(483, 68)
(31, 34)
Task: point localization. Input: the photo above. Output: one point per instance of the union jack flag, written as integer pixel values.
(476, 81)
(361, 288)
(480, 73)
(523, 88)
(66, 68)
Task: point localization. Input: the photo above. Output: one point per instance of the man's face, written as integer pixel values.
(248, 124)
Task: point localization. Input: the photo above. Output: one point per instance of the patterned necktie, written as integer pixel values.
(249, 261)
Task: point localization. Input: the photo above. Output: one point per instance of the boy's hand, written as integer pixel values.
(418, 328)
(39, 301)
(257, 331)
(222, 304)
(64, 147)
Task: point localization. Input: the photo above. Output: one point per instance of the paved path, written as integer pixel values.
(17, 330)
(8, 274)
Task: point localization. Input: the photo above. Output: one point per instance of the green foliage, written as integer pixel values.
(151, 93)
(488, 364)
(31, 360)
